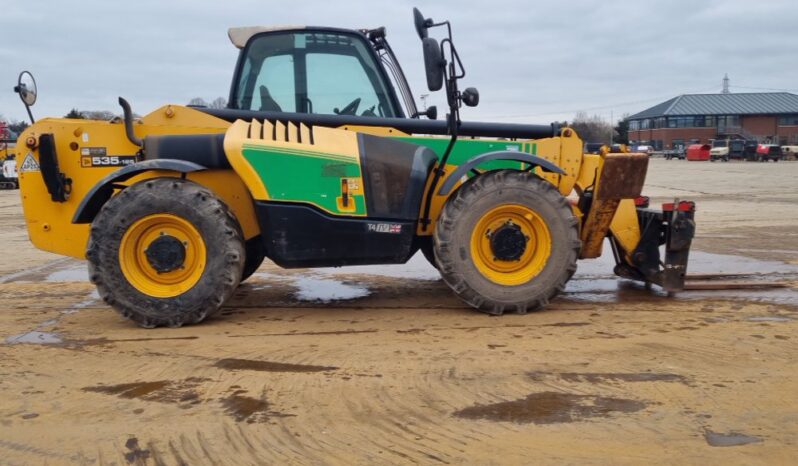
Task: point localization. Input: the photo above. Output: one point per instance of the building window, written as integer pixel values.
(788, 120)
(686, 122)
(729, 121)
(634, 125)
(645, 124)
(709, 121)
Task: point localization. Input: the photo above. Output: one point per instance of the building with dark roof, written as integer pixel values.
(698, 118)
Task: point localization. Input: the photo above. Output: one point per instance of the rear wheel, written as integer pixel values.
(165, 252)
(507, 241)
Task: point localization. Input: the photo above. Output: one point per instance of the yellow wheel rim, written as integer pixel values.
(138, 269)
(529, 263)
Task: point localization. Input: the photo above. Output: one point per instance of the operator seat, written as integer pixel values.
(267, 103)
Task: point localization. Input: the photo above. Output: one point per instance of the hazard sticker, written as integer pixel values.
(29, 164)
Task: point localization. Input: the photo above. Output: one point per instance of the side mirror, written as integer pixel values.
(421, 24)
(470, 97)
(26, 88)
(433, 63)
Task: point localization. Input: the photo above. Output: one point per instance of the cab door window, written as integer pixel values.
(313, 72)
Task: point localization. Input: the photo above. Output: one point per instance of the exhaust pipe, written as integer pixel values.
(131, 136)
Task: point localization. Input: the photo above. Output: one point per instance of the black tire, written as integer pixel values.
(256, 253)
(459, 218)
(192, 203)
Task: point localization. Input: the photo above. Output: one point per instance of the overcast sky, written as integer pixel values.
(533, 62)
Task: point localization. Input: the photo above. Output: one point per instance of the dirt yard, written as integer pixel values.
(382, 365)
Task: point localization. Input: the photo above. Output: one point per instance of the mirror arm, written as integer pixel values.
(27, 107)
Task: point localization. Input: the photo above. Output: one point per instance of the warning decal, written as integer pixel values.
(29, 164)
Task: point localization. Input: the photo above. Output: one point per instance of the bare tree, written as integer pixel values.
(198, 102)
(219, 102)
(98, 115)
(592, 128)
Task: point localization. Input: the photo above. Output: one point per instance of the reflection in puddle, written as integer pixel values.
(768, 319)
(326, 290)
(76, 273)
(39, 337)
(35, 337)
(595, 282)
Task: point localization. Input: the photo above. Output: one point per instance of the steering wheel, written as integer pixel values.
(350, 109)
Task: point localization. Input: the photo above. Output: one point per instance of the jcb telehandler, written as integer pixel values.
(322, 159)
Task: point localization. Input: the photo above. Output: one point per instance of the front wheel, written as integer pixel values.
(507, 241)
(165, 252)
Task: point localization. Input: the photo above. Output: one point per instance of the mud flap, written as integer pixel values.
(673, 227)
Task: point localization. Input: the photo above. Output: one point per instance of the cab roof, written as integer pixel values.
(239, 36)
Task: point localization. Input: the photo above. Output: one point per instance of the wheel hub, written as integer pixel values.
(166, 253)
(508, 242)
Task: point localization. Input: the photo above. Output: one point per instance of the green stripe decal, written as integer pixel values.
(299, 176)
(466, 149)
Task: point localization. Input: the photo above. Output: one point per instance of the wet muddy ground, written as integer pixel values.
(376, 365)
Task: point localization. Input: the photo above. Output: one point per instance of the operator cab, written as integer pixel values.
(324, 71)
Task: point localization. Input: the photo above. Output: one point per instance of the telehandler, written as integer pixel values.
(322, 159)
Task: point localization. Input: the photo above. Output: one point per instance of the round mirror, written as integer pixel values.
(421, 24)
(26, 88)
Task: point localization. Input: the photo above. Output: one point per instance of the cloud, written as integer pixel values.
(532, 61)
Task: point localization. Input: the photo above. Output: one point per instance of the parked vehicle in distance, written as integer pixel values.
(593, 147)
(644, 149)
(698, 152)
(766, 152)
(8, 173)
(789, 152)
(727, 149)
(678, 153)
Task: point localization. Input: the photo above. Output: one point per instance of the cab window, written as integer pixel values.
(319, 72)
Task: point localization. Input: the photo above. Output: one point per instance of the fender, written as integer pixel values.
(463, 169)
(104, 189)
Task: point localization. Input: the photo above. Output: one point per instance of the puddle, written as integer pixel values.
(594, 280)
(732, 439)
(268, 366)
(551, 408)
(72, 274)
(35, 337)
(246, 408)
(599, 377)
(326, 290)
(768, 319)
(181, 392)
(38, 336)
